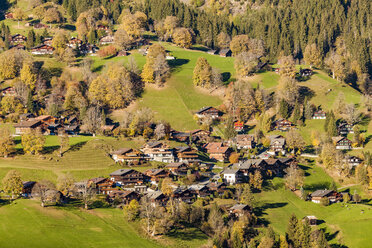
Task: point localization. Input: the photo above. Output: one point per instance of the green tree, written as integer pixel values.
(30, 39)
(284, 109)
(229, 130)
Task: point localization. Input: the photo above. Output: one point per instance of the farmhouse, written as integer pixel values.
(342, 143)
(129, 155)
(157, 198)
(353, 161)
(42, 50)
(306, 72)
(18, 38)
(239, 126)
(218, 187)
(225, 52)
(186, 154)
(105, 40)
(101, 185)
(157, 151)
(27, 126)
(200, 134)
(239, 210)
(312, 220)
(27, 188)
(8, 91)
(244, 141)
(332, 196)
(74, 42)
(217, 151)
(232, 176)
(319, 115)
(277, 143)
(125, 196)
(156, 175)
(210, 112)
(345, 128)
(128, 177)
(199, 190)
(177, 168)
(283, 125)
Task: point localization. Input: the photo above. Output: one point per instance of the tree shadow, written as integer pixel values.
(330, 236)
(55, 72)
(199, 48)
(49, 149)
(69, 27)
(187, 234)
(260, 211)
(77, 146)
(98, 68)
(305, 92)
(225, 76)
(316, 186)
(177, 62)
(364, 120)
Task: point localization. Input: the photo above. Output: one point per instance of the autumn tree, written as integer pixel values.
(6, 142)
(155, 70)
(19, 14)
(288, 90)
(30, 39)
(132, 210)
(294, 177)
(12, 183)
(229, 130)
(202, 75)
(28, 75)
(239, 44)
(10, 105)
(166, 28)
(255, 180)
(11, 62)
(335, 63)
(44, 190)
(247, 196)
(223, 40)
(65, 183)
(52, 15)
(245, 64)
(313, 56)
(287, 67)
(295, 141)
(182, 37)
(63, 143)
(33, 142)
(122, 39)
(133, 24)
(92, 120)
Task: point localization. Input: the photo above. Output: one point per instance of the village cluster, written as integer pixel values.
(187, 164)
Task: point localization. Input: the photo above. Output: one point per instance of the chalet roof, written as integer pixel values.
(338, 139)
(244, 137)
(321, 193)
(182, 148)
(239, 207)
(154, 195)
(204, 109)
(230, 171)
(28, 124)
(28, 184)
(277, 138)
(271, 161)
(97, 180)
(154, 172)
(121, 172)
(174, 165)
(121, 151)
(225, 51)
(248, 163)
(196, 187)
(153, 144)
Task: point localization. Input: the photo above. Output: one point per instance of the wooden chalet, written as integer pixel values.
(156, 175)
(277, 143)
(320, 115)
(103, 27)
(239, 210)
(199, 190)
(128, 177)
(210, 112)
(342, 143)
(239, 126)
(306, 72)
(128, 155)
(101, 185)
(8, 91)
(219, 187)
(313, 221)
(218, 151)
(48, 41)
(177, 168)
(353, 161)
(157, 151)
(18, 47)
(250, 165)
(124, 196)
(182, 136)
(225, 52)
(283, 125)
(244, 141)
(27, 188)
(200, 134)
(186, 154)
(74, 42)
(332, 196)
(157, 198)
(345, 128)
(88, 49)
(18, 38)
(40, 25)
(212, 52)
(9, 16)
(106, 40)
(183, 194)
(42, 50)
(27, 126)
(123, 53)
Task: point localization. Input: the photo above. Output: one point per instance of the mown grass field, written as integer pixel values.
(25, 224)
(347, 225)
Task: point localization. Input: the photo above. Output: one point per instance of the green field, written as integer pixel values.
(25, 224)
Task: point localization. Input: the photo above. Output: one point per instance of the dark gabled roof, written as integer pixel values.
(121, 172)
(121, 151)
(225, 51)
(230, 171)
(154, 195)
(321, 193)
(28, 184)
(174, 165)
(204, 109)
(97, 180)
(240, 207)
(153, 144)
(28, 124)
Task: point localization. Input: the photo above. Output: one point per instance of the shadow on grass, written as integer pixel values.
(200, 48)
(77, 146)
(177, 62)
(187, 234)
(225, 76)
(98, 68)
(260, 211)
(316, 186)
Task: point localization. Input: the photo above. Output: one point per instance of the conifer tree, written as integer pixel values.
(284, 109)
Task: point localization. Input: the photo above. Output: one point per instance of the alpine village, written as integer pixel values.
(186, 123)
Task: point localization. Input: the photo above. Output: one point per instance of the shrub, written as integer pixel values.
(324, 201)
